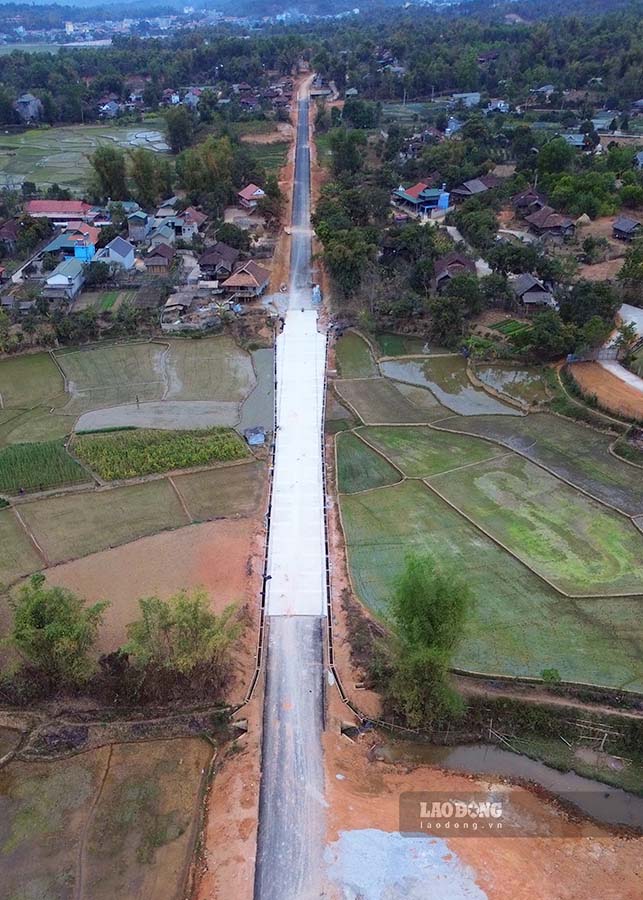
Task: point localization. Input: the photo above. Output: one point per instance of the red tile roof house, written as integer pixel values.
(249, 281)
(250, 196)
(62, 211)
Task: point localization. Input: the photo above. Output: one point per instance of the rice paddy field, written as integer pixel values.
(518, 625)
(359, 469)
(446, 378)
(60, 155)
(119, 821)
(390, 344)
(19, 556)
(223, 492)
(354, 357)
(526, 385)
(571, 450)
(378, 401)
(460, 501)
(573, 541)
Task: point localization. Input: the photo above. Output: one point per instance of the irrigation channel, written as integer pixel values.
(291, 804)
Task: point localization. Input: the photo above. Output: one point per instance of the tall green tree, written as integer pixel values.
(180, 127)
(55, 631)
(109, 170)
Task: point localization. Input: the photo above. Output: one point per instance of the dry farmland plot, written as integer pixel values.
(420, 452)
(377, 401)
(573, 451)
(446, 377)
(226, 491)
(354, 358)
(518, 626)
(74, 525)
(18, 556)
(115, 822)
(359, 468)
(578, 544)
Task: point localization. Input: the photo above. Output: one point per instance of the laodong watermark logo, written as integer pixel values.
(444, 815)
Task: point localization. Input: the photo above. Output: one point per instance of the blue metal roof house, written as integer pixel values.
(421, 199)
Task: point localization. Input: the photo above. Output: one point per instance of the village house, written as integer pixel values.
(531, 293)
(163, 234)
(527, 202)
(65, 282)
(626, 229)
(159, 259)
(548, 223)
(250, 196)
(28, 108)
(110, 109)
(474, 186)
(59, 212)
(78, 240)
(118, 251)
(192, 98)
(9, 231)
(247, 282)
(450, 265)
(218, 260)
(421, 199)
(138, 226)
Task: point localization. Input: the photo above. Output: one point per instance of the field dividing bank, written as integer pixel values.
(518, 625)
(576, 453)
(19, 556)
(119, 821)
(573, 542)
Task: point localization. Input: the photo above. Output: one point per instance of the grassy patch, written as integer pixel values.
(360, 468)
(576, 543)
(229, 491)
(378, 401)
(128, 454)
(30, 380)
(629, 450)
(75, 525)
(353, 355)
(324, 153)
(420, 452)
(575, 452)
(271, 156)
(38, 466)
(518, 626)
(18, 556)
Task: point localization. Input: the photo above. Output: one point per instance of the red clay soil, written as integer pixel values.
(229, 838)
(583, 865)
(611, 393)
(224, 557)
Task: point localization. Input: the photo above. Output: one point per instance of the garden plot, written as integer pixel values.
(573, 451)
(354, 358)
(359, 468)
(19, 556)
(119, 821)
(580, 546)
(378, 401)
(526, 385)
(227, 491)
(420, 452)
(446, 377)
(38, 466)
(74, 525)
(517, 624)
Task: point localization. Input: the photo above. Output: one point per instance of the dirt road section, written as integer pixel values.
(611, 392)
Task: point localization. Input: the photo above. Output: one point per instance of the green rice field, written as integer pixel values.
(354, 358)
(518, 626)
(579, 545)
(404, 345)
(359, 469)
(38, 466)
(570, 449)
(60, 155)
(420, 452)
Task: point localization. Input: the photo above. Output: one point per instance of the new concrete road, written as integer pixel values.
(291, 805)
